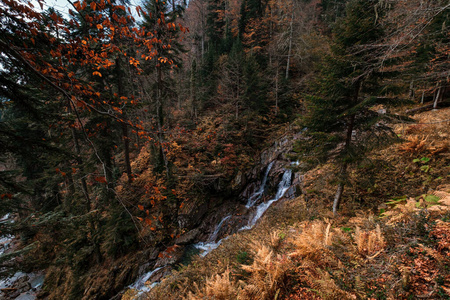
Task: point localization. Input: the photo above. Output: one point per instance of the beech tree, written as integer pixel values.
(63, 119)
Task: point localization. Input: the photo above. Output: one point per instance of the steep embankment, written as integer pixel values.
(390, 241)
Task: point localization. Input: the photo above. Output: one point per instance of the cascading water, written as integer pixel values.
(211, 244)
(283, 186)
(258, 194)
(213, 236)
(35, 280)
(140, 285)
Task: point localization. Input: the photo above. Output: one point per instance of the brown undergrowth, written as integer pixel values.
(390, 241)
(400, 254)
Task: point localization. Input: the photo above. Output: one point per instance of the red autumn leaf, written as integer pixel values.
(138, 8)
(100, 179)
(141, 207)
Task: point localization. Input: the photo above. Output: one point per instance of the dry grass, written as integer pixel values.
(363, 254)
(431, 133)
(267, 274)
(369, 243)
(218, 287)
(312, 243)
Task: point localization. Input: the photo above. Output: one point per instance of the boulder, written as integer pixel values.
(188, 237)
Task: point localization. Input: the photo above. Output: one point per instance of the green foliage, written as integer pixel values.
(243, 258)
(339, 104)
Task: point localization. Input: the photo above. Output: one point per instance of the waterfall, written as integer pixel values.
(258, 194)
(140, 285)
(213, 236)
(211, 244)
(283, 186)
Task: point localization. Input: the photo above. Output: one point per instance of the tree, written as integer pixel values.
(61, 121)
(339, 121)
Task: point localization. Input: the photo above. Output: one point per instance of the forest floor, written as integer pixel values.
(391, 239)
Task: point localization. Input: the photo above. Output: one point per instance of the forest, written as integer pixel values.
(142, 144)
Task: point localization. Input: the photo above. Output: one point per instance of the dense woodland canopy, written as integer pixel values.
(117, 119)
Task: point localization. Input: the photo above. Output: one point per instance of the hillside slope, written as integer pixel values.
(390, 241)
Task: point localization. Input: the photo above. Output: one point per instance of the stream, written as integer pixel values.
(212, 242)
(21, 286)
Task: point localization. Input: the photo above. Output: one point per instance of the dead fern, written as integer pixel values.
(218, 287)
(369, 243)
(327, 288)
(414, 145)
(267, 273)
(313, 242)
(275, 240)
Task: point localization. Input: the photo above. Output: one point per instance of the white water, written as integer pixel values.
(283, 186)
(140, 285)
(213, 236)
(258, 194)
(5, 242)
(211, 244)
(208, 247)
(36, 280)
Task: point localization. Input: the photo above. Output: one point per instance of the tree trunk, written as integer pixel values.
(126, 140)
(276, 92)
(160, 120)
(80, 163)
(411, 90)
(341, 185)
(436, 100)
(126, 143)
(337, 197)
(290, 47)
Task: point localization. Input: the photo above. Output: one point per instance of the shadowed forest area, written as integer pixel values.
(225, 149)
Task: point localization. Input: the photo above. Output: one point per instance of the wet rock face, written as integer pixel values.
(188, 238)
(238, 182)
(21, 286)
(192, 217)
(171, 257)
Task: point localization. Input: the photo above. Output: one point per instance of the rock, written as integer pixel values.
(26, 296)
(188, 237)
(151, 254)
(192, 218)
(249, 190)
(37, 280)
(160, 274)
(169, 257)
(238, 181)
(290, 193)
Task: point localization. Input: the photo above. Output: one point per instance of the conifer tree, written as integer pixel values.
(339, 121)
